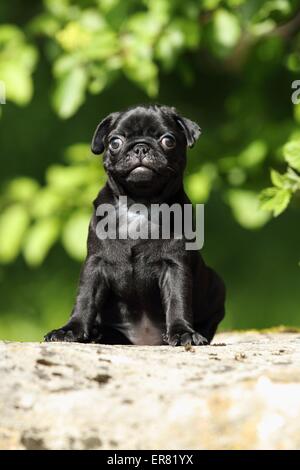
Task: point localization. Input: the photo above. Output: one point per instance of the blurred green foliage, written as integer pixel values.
(34, 217)
(228, 64)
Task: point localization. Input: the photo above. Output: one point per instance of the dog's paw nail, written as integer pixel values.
(50, 336)
(57, 335)
(199, 340)
(74, 334)
(69, 336)
(180, 339)
(174, 340)
(186, 339)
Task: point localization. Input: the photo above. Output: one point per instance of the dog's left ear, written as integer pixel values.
(101, 132)
(190, 128)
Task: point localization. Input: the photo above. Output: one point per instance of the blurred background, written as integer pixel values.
(229, 65)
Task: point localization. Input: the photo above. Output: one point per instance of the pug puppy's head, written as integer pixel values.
(145, 149)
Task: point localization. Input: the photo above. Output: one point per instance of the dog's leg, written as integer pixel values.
(210, 313)
(90, 298)
(176, 293)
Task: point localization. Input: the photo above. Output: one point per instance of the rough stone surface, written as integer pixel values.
(243, 392)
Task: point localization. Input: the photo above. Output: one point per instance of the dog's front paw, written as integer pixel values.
(73, 333)
(186, 337)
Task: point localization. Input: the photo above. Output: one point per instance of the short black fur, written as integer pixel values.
(144, 291)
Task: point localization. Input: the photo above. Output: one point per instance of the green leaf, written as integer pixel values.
(10, 33)
(190, 30)
(170, 42)
(145, 74)
(246, 209)
(270, 6)
(293, 179)
(92, 20)
(67, 179)
(275, 200)
(48, 202)
(198, 185)
(13, 225)
(139, 65)
(293, 62)
(74, 236)
(107, 5)
(70, 92)
(236, 176)
(22, 189)
(59, 8)
(78, 153)
(17, 61)
(17, 81)
(179, 34)
(39, 239)
(102, 46)
(146, 26)
(227, 30)
(291, 152)
(210, 4)
(65, 64)
(253, 154)
(44, 24)
(100, 80)
(277, 179)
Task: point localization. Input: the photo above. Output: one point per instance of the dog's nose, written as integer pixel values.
(141, 149)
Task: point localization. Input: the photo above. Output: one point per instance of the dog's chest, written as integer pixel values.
(133, 268)
(133, 222)
(135, 277)
(144, 331)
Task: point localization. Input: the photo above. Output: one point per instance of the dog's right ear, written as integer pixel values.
(190, 129)
(101, 132)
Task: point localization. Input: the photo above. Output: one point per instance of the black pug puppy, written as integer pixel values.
(136, 291)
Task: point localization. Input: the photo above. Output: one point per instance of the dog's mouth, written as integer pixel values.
(142, 170)
(141, 174)
(144, 178)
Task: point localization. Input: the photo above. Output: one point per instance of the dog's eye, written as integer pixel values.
(168, 142)
(115, 143)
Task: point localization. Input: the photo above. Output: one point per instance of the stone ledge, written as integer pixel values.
(242, 392)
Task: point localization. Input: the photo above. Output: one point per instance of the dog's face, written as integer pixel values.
(145, 148)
